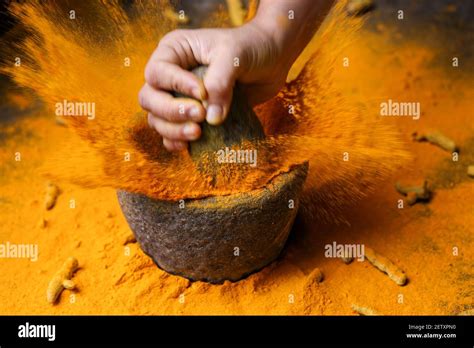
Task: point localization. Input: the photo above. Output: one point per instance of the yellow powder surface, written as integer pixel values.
(120, 279)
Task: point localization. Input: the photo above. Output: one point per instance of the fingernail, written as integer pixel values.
(190, 131)
(195, 114)
(214, 115)
(198, 93)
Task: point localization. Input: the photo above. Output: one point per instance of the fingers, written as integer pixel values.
(174, 145)
(163, 105)
(219, 82)
(187, 131)
(172, 117)
(171, 77)
(175, 135)
(180, 50)
(168, 67)
(176, 119)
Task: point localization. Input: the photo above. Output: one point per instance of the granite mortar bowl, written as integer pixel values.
(217, 238)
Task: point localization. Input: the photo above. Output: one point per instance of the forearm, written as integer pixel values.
(291, 23)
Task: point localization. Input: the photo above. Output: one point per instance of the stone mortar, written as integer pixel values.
(200, 241)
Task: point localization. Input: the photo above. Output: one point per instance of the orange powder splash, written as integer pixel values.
(83, 60)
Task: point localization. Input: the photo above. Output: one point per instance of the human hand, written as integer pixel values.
(257, 55)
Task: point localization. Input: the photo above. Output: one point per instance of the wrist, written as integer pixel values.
(290, 24)
(273, 39)
(284, 34)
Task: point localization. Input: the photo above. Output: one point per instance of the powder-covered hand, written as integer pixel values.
(257, 54)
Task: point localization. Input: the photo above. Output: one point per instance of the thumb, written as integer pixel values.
(219, 82)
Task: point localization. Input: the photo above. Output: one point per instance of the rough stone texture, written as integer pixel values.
(240, 125)
(198, 242)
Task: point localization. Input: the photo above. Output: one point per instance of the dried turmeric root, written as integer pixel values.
(315, 277)
(62, 280)
(468, 312)
(386, 266)
(365, 311)
(415, 193)
(236, 12)
(52, 193)
(470, 171)
(359, 7)
(437, 138)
